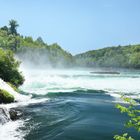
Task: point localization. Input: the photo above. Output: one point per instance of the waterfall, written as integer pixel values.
(4, 115)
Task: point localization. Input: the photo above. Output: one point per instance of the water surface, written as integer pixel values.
(75, 104)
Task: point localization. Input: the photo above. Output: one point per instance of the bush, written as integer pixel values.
(133, 113)
(9, 68)
(6, 97)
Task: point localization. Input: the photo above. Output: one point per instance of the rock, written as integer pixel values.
(6, 97)
(106, 72)
(7, 115)
(14, 115)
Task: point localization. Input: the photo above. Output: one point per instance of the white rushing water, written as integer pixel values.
(18, 97)
(8, 131)
(44, 81)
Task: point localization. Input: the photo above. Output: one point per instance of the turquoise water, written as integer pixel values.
(75, 104)
(75, 116)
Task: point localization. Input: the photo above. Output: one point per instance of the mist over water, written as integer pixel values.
(72, 104)
(44, 58)
(34, 58)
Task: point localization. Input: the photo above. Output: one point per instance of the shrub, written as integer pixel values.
(6, 97)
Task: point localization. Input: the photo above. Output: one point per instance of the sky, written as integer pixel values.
(76, 25)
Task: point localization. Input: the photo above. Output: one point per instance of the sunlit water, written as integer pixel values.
(72, 105)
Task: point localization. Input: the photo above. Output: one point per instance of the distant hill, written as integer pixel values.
(34, 52)
(121, 56)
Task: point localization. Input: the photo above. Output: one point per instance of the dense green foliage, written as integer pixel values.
(123, 137)
(133, 113)
(6, 97)
(9, 68)
(35, 51)
(121, 56)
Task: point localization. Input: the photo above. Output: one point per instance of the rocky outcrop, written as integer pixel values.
(14, 114)
(8, 115)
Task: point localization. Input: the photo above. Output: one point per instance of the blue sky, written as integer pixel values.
(77, 25)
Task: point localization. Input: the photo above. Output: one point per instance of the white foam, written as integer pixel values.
(9, 131)
(44, 81)
(24, 103)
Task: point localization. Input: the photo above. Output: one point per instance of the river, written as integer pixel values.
(72, 105)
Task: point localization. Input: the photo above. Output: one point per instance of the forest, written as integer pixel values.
(120, 56)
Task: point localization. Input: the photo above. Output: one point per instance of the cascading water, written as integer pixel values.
(18, 97)
(8, 128)
(4, 115)
(4, 110)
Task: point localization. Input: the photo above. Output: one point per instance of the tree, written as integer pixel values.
(9, 68)
(29, 39)
(13, 27)
(5, 28)
(40, 40)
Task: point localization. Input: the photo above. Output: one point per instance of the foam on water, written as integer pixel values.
(9, 131)
(44, 81)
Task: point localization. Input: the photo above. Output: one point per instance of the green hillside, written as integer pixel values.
(121, 56)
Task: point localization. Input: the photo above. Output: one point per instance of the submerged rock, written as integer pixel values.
(106, 72)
